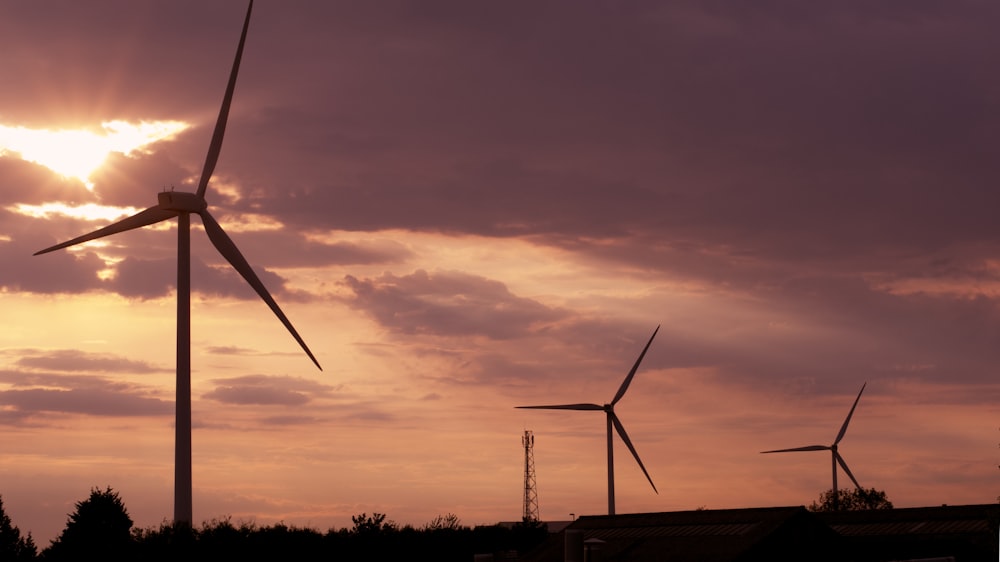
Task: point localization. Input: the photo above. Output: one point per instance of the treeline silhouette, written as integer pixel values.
(101, 529)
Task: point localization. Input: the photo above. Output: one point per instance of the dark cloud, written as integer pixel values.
(135, 180)
(33, 184)
(21, 237)
(448, 303)
(806, 157)
(139, 278)
(781, 132)
(290, 248)
(713, 123)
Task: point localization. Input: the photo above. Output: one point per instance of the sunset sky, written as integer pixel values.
(468, 206)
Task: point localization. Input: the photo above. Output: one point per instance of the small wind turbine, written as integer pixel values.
(176, 204)
(609, 410)
(836, 458)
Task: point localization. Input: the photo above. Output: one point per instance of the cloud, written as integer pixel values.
(136, 179)
(230, 350)
(72, 360)
(60, 273)
(448, 303)
(27, 182)
(737, 133)
(88, 401)
(139, 278)
(39, 385)
(802, 194)
(293, 246)
(267, 390)
(289, 420)
(257, 395)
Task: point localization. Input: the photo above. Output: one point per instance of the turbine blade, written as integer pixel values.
(628, 378)
(843, 428)
(150, 216)
(564, 407)
(843, 465)
(628, 443)
(220, 125)
(228, 249)
(809, 448)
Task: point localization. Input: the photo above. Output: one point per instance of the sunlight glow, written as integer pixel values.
(78, 153)
(250, 222)
(89, 211)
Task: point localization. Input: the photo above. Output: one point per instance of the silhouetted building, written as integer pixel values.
(771, 533)
(961, 532)
(956, 533)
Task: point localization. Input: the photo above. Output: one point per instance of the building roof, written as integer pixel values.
(964, 533)
(773, 533)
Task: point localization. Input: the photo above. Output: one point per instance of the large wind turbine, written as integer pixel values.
(609, 410)
(835, 455)
(181, 205)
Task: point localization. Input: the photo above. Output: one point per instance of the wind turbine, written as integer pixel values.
(835, 455)
(609, 410)
(181, 205)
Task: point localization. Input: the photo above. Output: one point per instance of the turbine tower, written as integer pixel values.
(834, 453)
(181, 205)
(612, 420)
(530, 491)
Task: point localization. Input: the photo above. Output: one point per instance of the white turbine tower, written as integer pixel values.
(181, 205)
(612, 418)
(834, 453)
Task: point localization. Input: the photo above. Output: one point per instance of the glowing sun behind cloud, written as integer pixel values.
(78, 153)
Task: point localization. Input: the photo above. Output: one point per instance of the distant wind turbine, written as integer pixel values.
(609, 410)
(836, 458)
(176, 204)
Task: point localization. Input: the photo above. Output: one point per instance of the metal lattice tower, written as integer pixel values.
(530, 492)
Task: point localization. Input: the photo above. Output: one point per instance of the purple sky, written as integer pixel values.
(475, 206)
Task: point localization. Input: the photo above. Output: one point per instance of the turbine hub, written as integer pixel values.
(181, 201)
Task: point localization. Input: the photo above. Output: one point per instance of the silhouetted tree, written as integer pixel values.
(852, 500)
(528, 534)
(372, 537)
(99, 529)
(13, 546)
(219, 539)
(282, 542)
(441, 522)
(168, 542)
(365, 525)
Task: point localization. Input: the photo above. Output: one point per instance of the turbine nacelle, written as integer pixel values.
(181, 202)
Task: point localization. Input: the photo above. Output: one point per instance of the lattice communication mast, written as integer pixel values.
(530, 492)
